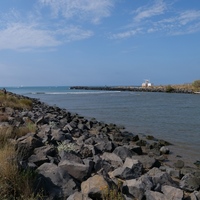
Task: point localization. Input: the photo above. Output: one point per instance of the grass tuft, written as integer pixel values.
(9, 100)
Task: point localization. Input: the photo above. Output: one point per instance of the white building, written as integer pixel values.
(146, 84)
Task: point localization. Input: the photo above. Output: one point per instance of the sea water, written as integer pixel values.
(172, 117)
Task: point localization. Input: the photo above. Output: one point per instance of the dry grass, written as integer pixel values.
(3, 117)
(28, 127)
(6, 133)
(12, 101)
(14, 184)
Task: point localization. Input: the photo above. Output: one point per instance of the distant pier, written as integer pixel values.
(133, 89)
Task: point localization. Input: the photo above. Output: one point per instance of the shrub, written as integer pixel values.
(68, 147)
(196, 84)
(169, 89)
(112, 193)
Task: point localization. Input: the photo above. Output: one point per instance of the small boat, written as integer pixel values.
(196, 92)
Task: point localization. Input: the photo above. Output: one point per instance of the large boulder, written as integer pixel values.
(123, 152)
(55, 181)
(104, 146)
(77, 170)
(94, 187)
(131, 169)
(172, 193)
(78, 196)
(190, 182)
(153, 195)
(27, 144)
(113, 159)
(147, 162)
(137, 187)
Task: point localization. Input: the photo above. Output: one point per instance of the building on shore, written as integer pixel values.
(147, 83)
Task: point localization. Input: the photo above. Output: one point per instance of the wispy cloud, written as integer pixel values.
(18, 33)
(145, 12)
(126, 34)
(93, 10)
(154, 18)
(185, 22)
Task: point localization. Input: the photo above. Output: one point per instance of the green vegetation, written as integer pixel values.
(169, 89)
(113, 193)
(196, 85)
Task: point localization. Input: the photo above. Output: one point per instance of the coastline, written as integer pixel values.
(107, 146)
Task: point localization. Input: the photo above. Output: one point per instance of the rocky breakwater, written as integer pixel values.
(168, 89)
(78, 159)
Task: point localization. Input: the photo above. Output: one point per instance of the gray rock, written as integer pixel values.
(179, 164)
(147, 162)
(90, 141)
(195, 195)
(172, 193)
(130, 163)
(175, 173)
(190, 182)
(38, 159)
(57, 135)
(100, 165)
(113, 159)
(162, 178)
(123, 152)
(56, 182)
(77, 170)
(164, 150)
(94, 187)
(136, 149)
(27, 144)
(64, 155)
(124, 173)
(67, 128)
(151, 195)
(130, 170)
(137, 187)
(78, 196)
(104, 146)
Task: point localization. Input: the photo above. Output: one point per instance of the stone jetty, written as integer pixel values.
(168, 89)
(84, 159)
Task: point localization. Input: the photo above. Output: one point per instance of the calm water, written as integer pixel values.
(173, 117)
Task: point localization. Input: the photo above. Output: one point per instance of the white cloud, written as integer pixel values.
(160, 18)
(92, 10)
(186, 22)
(125, 34)
(149, 11)
(189, 16)
(19, 36)
(74, 33)
(19, 33)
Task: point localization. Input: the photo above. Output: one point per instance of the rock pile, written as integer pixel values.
(77, 159)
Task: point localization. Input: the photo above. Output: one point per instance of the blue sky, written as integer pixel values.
(99, 42)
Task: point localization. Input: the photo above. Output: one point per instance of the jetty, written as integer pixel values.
(168, 89)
